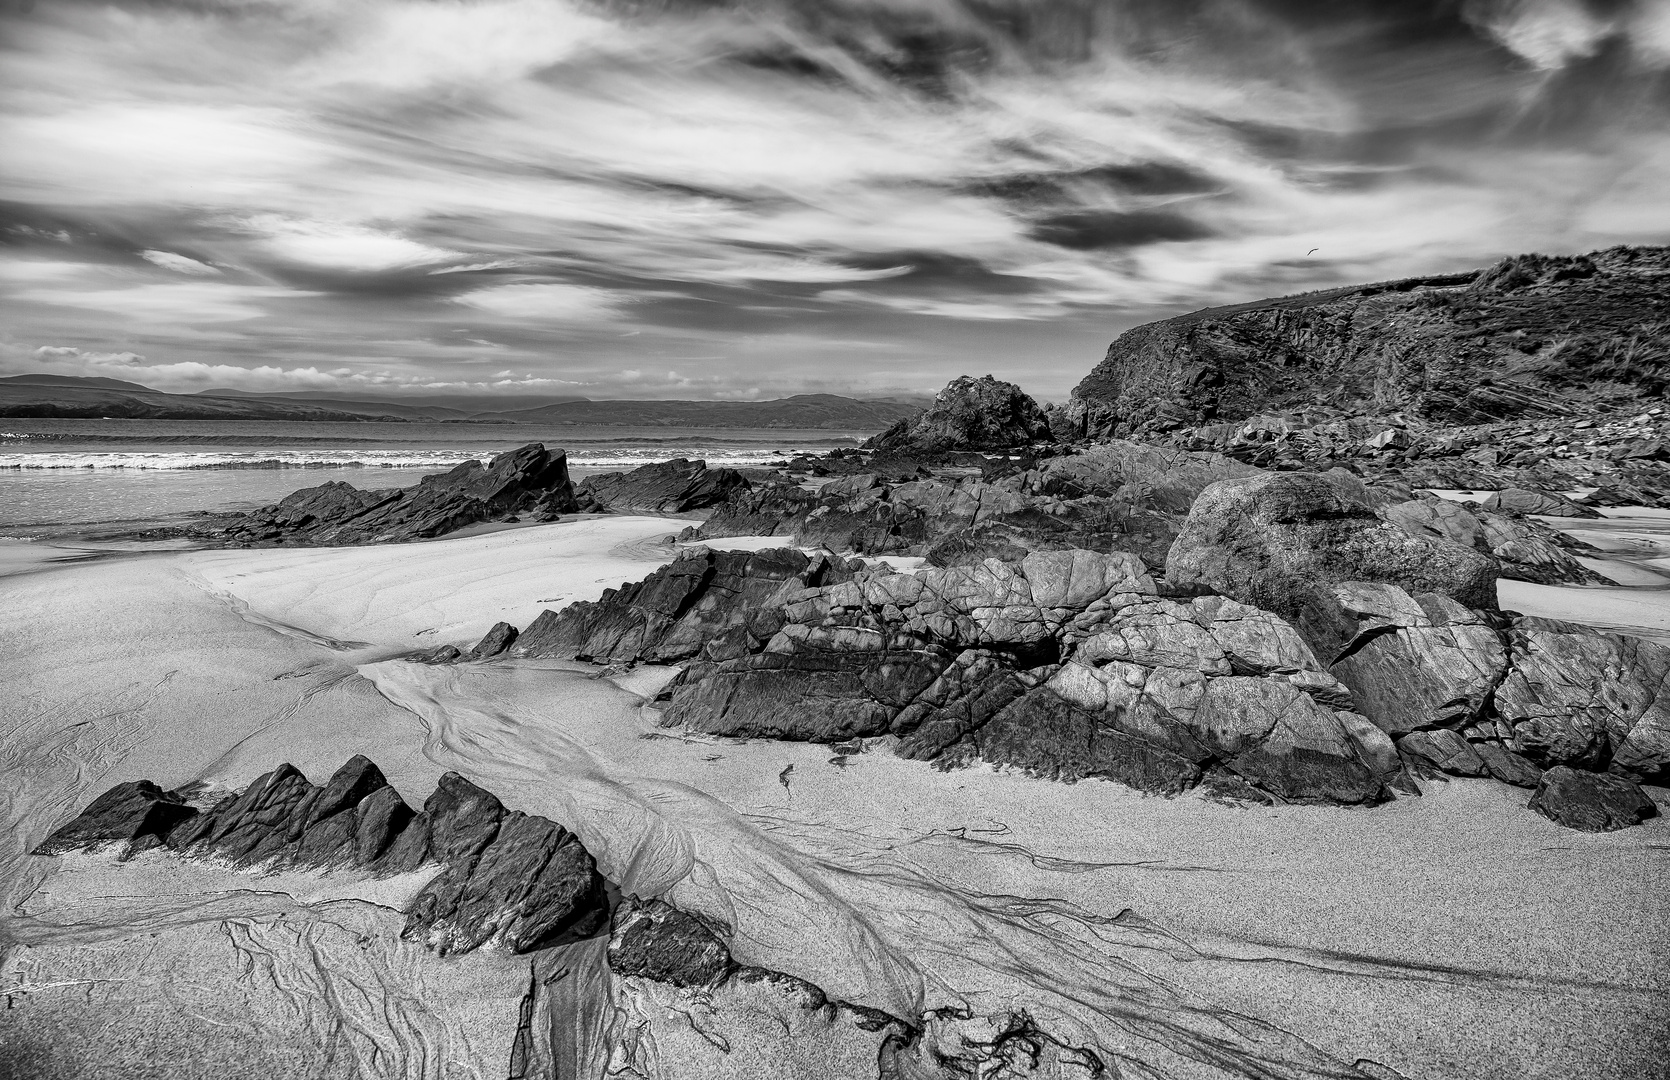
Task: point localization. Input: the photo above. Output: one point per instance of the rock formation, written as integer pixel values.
(531, 481)
(1591, 802)
(664, 487)
(1525, 337)
(1280, 541)
(1067, 664)
(969, 414)
(505, 877)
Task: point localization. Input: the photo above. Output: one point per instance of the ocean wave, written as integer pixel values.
(601, 457)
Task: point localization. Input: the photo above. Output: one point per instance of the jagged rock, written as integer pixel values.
(654, 940)
(664, 487)
(1579, 697)
(1525, 550)
(1066, 664)
(1523, 501)
(1443, 750)
(496, 641)
(505, 876)
(138, 814)
(702, 599)
(1279, 541)
(969, 414)
(1507, 766)
(527, 481)
(1416, 662)
(1591, 802)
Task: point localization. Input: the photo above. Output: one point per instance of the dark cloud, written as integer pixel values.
(1093, 230)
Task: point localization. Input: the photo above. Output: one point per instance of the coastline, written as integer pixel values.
(1451, 935)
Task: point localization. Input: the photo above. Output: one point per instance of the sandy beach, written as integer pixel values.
(1453, 935)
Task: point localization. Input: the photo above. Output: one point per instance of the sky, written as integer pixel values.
(733, 199)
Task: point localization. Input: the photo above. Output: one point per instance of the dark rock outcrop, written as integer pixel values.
(1591, 802)
(1280, 541)
(1120, 496)
(138, 815)
(531, 481)
(654, 940)
(664, 487)
(969, 414)
(505, 876)
(1524, 501)
(1529, 336)
(1067, 664)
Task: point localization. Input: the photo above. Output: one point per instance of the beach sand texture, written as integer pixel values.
(1453, 935)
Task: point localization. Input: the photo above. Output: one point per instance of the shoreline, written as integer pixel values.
(1449, 935)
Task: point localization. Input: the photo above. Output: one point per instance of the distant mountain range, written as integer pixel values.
(74, 397)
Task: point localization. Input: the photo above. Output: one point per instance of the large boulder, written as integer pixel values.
(664, 487)
(505, 877)
(969, 414)
(530, 481)
(1591, 802)
(1280, 541)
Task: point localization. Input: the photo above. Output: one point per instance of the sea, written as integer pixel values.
(63, 479)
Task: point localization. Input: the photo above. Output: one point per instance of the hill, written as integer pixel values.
(90, 382)
(81, 402)
(1532, 335)
(799, 411)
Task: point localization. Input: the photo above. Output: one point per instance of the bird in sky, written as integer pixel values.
(1313, 251)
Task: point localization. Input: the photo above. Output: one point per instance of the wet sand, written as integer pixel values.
(1454, 935)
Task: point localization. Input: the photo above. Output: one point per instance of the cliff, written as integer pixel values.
(1532, 335)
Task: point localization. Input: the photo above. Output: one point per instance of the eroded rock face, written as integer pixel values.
(530, 481)
(506, 877)
(664, 487)
(969, 414)
(1591, 802)
(1279, 541)
(1067, 664)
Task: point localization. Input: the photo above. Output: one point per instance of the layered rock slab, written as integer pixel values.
(530, 480)
(505, 877)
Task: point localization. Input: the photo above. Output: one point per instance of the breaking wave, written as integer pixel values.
(600, 457)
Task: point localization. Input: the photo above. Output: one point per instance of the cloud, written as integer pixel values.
(168, 260)
(1548, 33)
(612, 185)
(341, 245)
(169, 303)
(546, 302)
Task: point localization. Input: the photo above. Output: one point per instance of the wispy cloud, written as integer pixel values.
(405, 190)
